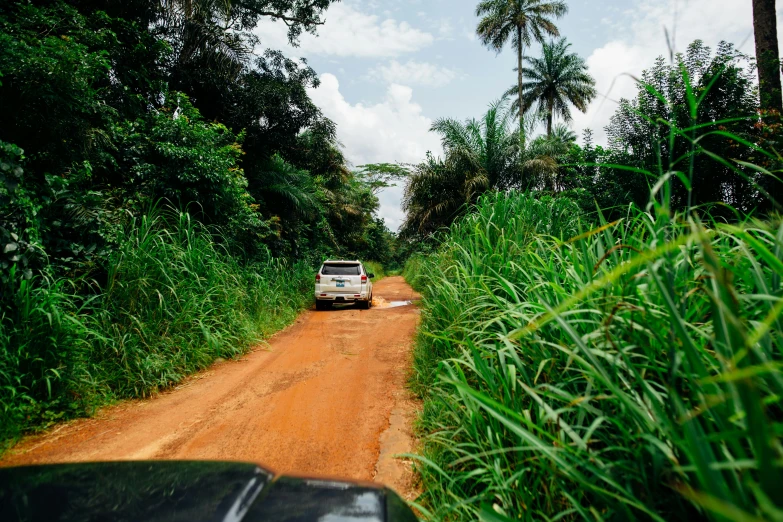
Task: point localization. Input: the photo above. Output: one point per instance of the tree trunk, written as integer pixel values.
(765, 28)
(549, 117)
(519, 86)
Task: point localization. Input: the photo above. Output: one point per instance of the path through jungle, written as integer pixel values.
(325, 397)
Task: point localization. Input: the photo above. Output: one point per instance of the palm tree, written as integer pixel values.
(487, 148)
(541, 159)
(556, 80)
(286, 191)
(434, 196)
(522, 21)
(479, 155)
(563, 134)
(200, 34)
(765, 29)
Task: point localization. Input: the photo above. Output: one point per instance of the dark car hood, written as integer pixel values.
(187, 491)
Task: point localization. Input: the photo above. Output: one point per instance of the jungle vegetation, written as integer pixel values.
(165, 185)
(601, 333)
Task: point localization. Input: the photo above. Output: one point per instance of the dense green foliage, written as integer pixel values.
(727, 102)
(699, 119)
(601, 337)
(626, 372)
(109, 110)
(130, 106)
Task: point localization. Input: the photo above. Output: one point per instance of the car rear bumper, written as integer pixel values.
(339, 297)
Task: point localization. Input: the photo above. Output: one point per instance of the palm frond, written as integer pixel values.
(555, 81)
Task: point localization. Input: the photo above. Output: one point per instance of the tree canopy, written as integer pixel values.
(119, 105)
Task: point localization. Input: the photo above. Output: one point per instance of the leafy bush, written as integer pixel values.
(19, 245)
(627, 372)
(692, 117)
(177, 156)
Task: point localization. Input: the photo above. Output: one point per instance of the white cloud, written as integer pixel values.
(643, 39)
(394, 130)
(445, 28)
(348, 32)
(413, 73)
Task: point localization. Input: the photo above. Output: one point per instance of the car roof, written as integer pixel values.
(342, 262)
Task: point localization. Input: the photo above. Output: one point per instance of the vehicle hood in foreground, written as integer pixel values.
(187, 491)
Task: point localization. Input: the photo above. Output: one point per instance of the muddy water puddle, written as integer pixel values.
(380, 302)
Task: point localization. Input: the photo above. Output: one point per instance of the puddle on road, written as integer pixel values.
(380, 302)
(392, 304)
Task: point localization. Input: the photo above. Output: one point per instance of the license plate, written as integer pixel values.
(340, 284)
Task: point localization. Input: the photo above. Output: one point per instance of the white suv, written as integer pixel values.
(343, 282)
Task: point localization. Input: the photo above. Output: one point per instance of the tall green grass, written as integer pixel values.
(413, 271)
(175, 301)
(628, 371)
(375, 268)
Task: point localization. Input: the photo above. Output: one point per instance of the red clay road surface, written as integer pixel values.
(326, 397)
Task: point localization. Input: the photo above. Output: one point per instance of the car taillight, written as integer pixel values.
(364, 279)
(317, 278)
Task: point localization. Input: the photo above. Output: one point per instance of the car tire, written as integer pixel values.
(364, 305)
(322, 305)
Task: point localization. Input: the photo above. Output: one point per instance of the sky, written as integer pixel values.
(389, 68)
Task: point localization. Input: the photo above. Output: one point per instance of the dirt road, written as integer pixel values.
(326, 397)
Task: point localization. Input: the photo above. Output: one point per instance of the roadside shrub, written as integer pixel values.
(175, 301)
(375, 268)
(413, 273)
(45, 340)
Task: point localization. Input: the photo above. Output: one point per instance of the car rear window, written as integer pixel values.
(347, 270)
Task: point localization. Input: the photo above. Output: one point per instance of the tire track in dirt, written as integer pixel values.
(319, 400)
